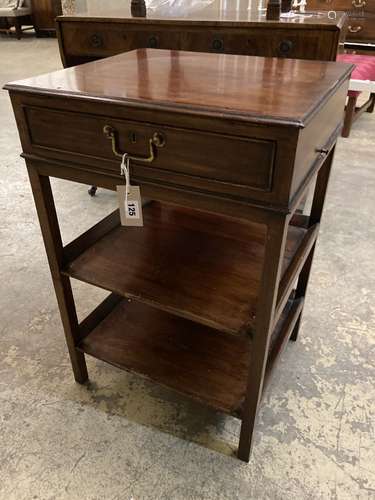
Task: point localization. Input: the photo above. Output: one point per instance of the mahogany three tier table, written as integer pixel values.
(206, 294)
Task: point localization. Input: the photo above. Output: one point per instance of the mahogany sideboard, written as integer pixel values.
(203, 296)
(97, 32)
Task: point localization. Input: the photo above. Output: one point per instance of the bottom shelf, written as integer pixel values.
(200, 362)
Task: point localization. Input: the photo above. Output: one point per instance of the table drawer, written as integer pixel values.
(193, 158)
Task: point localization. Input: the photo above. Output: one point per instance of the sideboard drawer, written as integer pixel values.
(98, 40)
(256, 42)
(220, 163)
(107, 39)
(292, 45)
(353, 7)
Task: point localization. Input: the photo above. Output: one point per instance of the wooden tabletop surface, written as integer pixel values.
(241, 12)
(252, 88)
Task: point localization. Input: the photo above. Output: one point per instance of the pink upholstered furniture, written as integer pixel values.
(362, 80)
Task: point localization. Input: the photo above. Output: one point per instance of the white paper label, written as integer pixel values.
(131, 215)
(133, 210)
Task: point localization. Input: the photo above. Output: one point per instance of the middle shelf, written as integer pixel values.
(200, 266)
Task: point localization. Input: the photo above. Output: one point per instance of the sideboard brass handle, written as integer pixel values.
(157, 140)
(354, 29)
(359, 3)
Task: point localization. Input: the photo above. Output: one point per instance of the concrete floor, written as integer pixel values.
(121, 437)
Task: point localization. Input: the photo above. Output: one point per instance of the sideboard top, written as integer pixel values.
(240, 13)
(255, 89)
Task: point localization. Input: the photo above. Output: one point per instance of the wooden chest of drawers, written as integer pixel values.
(361, 17)
(204, 296)
(84, 38)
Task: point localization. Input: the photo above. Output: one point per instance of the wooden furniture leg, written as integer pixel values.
(273, 258)
(315, 217)
(18, 27)
(370, 109)
(349, 115)
(352, 112)
(46, 210)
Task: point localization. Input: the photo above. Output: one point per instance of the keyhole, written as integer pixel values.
(133, 137)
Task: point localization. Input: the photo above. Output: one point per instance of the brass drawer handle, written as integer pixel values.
(354, 29)
(157, 140)
(358, 4)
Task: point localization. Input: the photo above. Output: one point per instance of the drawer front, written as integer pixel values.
(106, 39)
(293, 44)
(361, 28)
(318, 135)
(353, 7)
(256, 42)
(198, 159)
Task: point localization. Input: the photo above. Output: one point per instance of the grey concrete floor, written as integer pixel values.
(121, 437)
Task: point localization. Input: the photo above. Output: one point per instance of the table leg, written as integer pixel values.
(273, 258)
(46, 210)
(349, 115)
(315, 217)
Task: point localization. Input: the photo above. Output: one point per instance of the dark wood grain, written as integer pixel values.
(97, 316)
(274, 251)
(258, 89)
(314, 219)
(287, 281)
(283, 331)
(86, 239)
(52, 240)
(196, 265)
(194, 360)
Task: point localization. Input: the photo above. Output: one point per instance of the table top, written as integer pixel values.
(228, 12)
(254, 89)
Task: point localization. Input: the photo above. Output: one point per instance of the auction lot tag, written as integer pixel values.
(130, 204)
